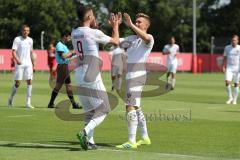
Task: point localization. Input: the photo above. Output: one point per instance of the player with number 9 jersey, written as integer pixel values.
(86, 41)
(94, 99)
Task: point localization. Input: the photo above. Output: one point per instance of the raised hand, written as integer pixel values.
(113, 21)
(128, 20)
(119, 16)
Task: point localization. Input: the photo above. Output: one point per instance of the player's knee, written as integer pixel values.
(130, 108)
(57, 87)
(236, 84)
(68, 88)
(29, 82)
(227, 83)
(173, 75)
(17, 84)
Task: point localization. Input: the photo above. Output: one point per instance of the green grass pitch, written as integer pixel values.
(197, 124)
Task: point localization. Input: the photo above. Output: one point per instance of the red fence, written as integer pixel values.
(205, 62)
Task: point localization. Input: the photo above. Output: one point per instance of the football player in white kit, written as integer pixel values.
(86, 42)
(137, 54)
(24, 62)
(231, 69)
(171, 50)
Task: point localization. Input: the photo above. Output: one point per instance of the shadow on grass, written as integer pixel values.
(62, 145)
(39, 146)
(5, 106)
(77, 143)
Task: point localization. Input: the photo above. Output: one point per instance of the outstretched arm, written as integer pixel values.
(114, 22)
(143, 35)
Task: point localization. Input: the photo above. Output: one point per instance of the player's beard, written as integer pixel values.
(94, 24)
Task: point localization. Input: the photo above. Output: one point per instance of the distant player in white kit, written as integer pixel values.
(118, 58)
(171, 50)
(86, 41)
(24, 62)
(137, 54)
(231, 69)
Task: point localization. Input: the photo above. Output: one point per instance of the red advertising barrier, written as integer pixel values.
(184, 60)
(5, 59)
(205, 62)
(209, 63)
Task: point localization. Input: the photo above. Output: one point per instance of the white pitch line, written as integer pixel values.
(117, 150)
(166, 154)
(19, 116)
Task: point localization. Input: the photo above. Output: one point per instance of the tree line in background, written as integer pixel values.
(169, 17)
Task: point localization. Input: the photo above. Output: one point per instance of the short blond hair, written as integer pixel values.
(143, 15)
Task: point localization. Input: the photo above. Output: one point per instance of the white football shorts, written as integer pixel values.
(23, 72)
(94, 96)
(134, 90)
(172, 67)
(232, 75)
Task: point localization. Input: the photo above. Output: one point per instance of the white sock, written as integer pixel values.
(90, 136)
(173, 82)
(169, 80)
(142, 124)
(132, 125)
(14, 91)
(29, 94)
(229, 91)
(28, 100)
(94, 123)
(235, 93)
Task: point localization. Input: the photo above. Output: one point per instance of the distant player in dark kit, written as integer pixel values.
(63, 75)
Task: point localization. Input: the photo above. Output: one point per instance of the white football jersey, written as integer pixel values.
(233, 56)
(86, 41)
(138, 53)
(173, 49)
(23, 48)
(116, 51)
